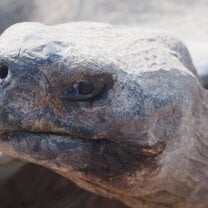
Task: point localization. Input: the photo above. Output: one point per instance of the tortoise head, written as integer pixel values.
(110, 108)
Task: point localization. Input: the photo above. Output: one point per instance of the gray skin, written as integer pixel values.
(135, 132)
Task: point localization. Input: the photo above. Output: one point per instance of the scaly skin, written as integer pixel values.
(136, 131)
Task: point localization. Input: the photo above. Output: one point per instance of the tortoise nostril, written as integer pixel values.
(3, 71)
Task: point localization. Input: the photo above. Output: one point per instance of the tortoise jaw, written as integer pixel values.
(101, 158)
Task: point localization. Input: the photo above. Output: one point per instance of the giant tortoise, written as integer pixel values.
(119, 111)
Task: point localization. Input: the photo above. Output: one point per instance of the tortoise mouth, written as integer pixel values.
(101, 157)
(60, 137)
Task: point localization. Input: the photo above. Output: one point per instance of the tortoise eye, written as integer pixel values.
(85, 89)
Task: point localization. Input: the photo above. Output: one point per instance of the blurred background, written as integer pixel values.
(187, 19)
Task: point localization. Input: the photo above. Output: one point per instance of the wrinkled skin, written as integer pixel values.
(133, 137)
